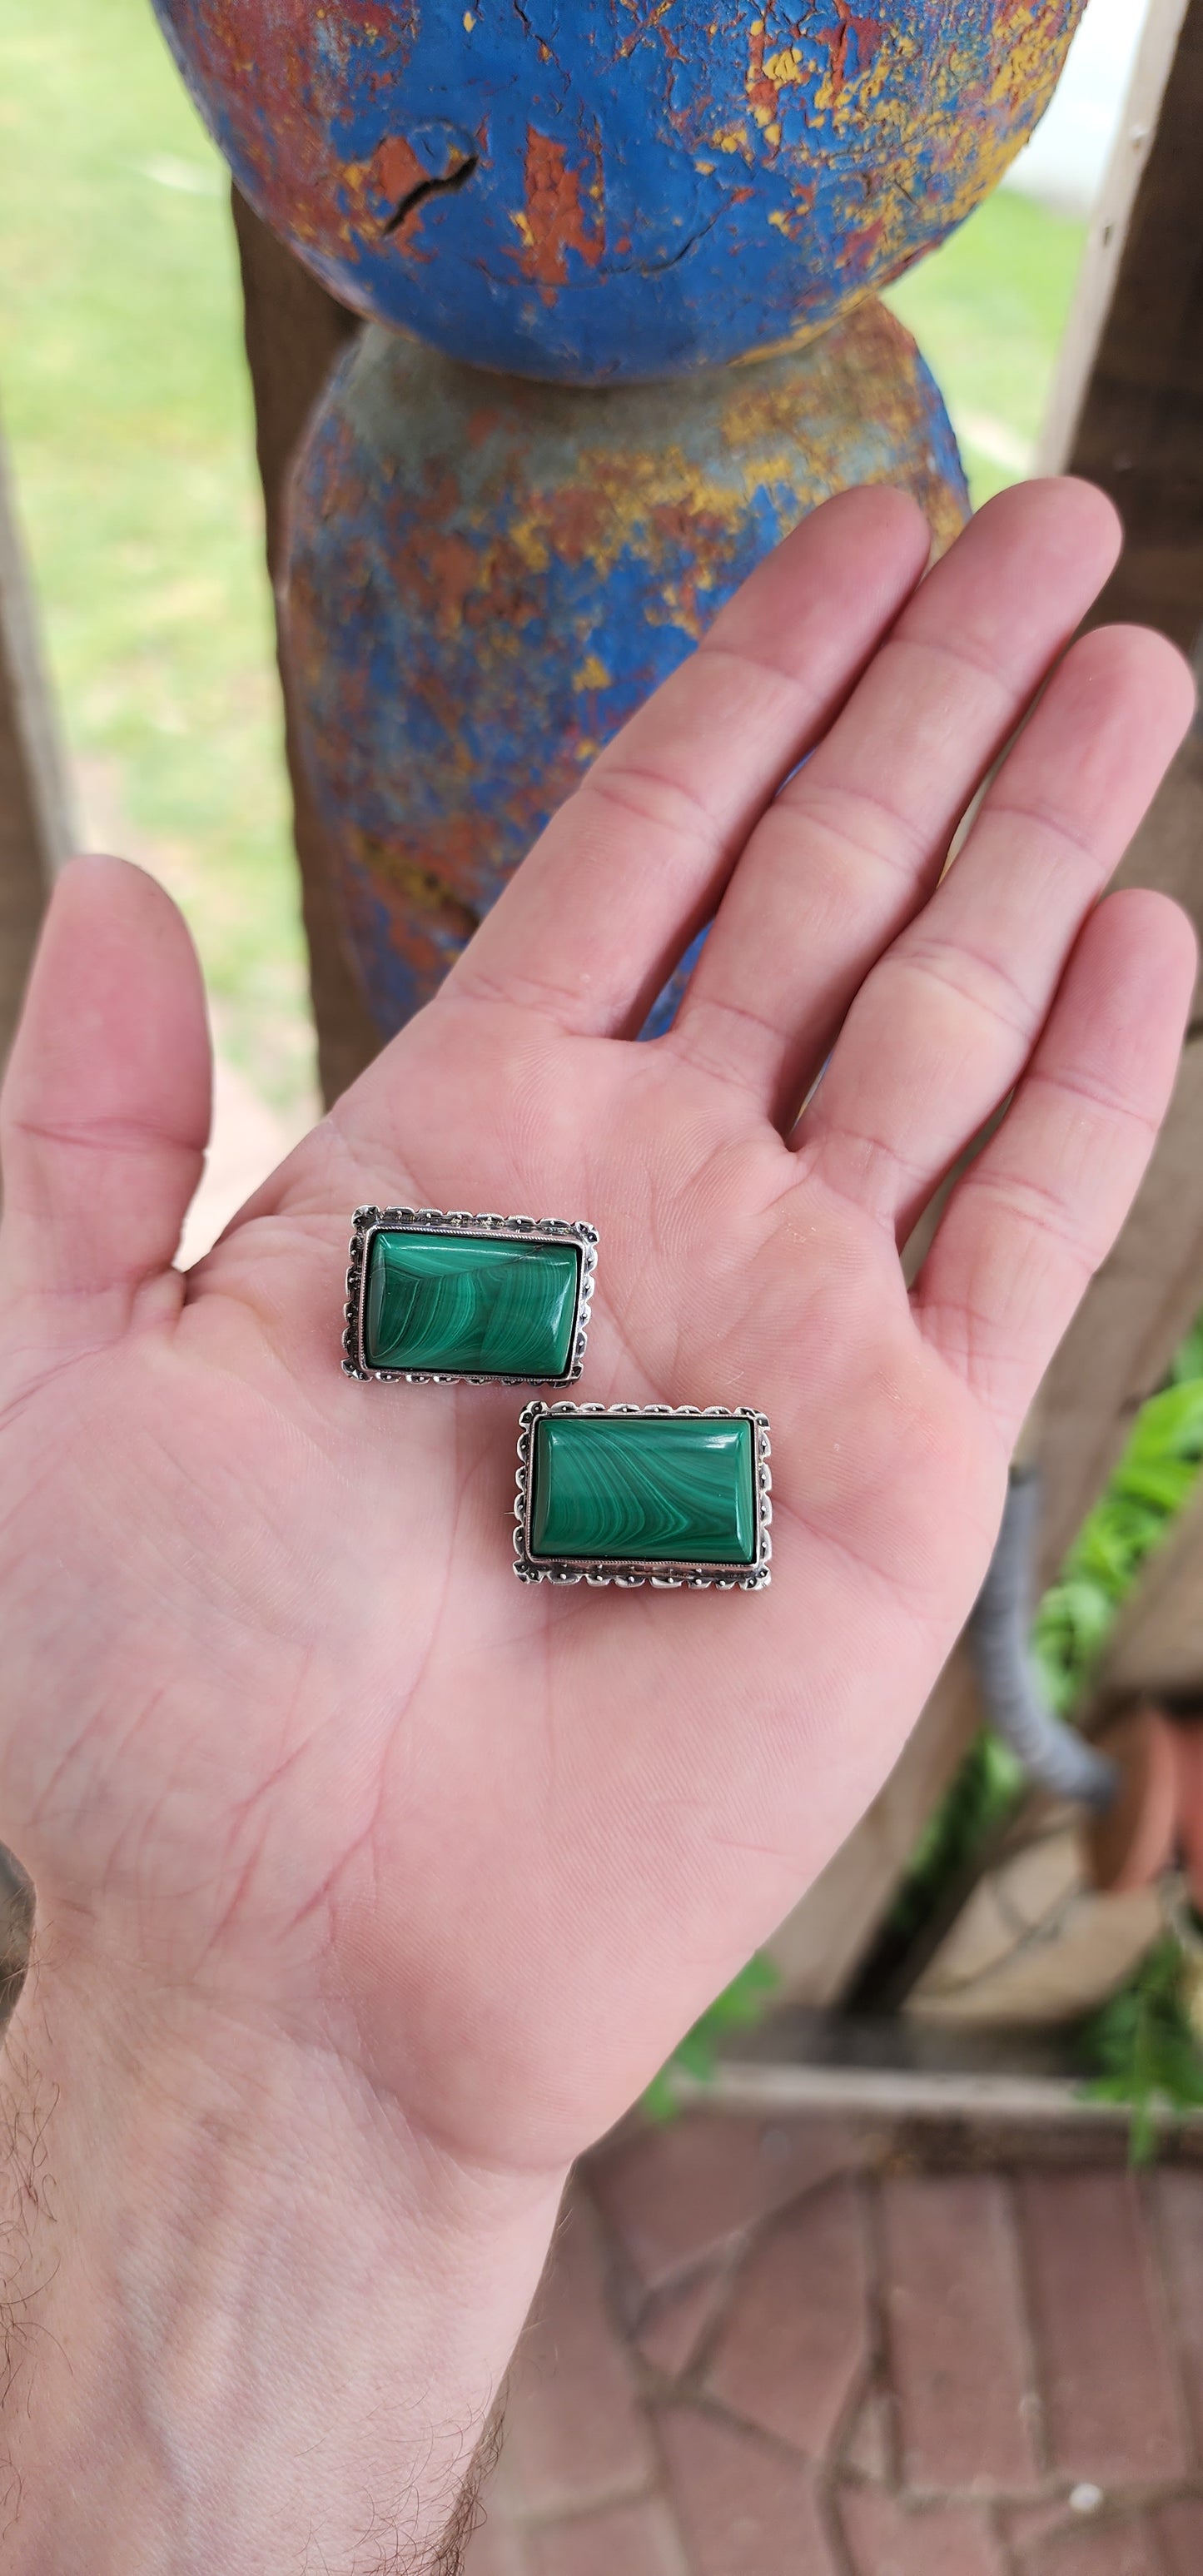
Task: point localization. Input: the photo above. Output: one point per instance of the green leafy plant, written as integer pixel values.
(1154, 1480)
(1145, 2050)
(741, 2004)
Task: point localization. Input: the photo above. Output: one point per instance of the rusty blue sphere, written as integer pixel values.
(593, 190)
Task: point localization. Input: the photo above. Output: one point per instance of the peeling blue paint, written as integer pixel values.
(487, 578)
(620, 188)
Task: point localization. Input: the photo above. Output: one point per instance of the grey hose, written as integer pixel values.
(1052, 1754)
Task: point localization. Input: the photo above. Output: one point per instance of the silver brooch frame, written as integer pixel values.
(477, 1229)
(629, 1573)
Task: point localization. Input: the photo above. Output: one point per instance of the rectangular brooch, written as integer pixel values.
(634, 1494)
(493, 1300)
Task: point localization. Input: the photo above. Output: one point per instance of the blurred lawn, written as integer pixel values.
(126, 401)
(128, 411)
(988, 312)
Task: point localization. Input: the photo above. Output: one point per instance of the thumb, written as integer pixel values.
(104, 1117)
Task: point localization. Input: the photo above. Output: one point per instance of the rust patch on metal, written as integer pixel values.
(555, 220)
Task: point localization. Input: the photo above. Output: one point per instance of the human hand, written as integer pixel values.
(296, 1765)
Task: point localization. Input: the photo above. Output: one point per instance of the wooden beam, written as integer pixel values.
(35, 828)
(1137, 428)
(822, 1943)
(1117, 1352)
(1158, 1644)
(35, 838)
(1107, 238)
(295, 334)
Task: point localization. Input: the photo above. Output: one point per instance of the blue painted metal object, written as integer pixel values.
(487, 578)
(597, 190)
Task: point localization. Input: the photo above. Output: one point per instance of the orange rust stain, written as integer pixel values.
(400, 870)
(395, 172)
(576, 518)
(502, 608)
(792, 220)
(555, 221)
(453, 567)
(868, 33)
(653, 25)
(397, 169)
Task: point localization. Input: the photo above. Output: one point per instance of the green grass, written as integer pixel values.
(128, 412)
(988, 311)
(1143, 2048)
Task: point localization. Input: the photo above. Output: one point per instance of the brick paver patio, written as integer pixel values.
(768, 2348)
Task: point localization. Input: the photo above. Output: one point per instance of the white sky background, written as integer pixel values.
(1068, 154)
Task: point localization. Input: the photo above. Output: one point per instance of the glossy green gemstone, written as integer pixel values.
(452, 1306)
(677, 1489)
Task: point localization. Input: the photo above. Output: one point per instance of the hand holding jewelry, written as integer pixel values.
(372, 1886)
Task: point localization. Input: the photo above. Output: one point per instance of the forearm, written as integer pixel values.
(252, 2322)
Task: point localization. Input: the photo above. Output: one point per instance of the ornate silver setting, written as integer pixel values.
(506, 1229)
(629, 1574)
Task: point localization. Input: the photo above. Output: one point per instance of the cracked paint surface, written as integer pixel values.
(488, 577)
(656, 184)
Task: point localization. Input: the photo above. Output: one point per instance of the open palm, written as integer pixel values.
(280, 1729)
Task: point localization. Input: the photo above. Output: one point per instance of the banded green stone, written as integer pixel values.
(454, 1306)
(677, 1489)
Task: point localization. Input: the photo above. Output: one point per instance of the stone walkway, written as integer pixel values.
(771, 2349)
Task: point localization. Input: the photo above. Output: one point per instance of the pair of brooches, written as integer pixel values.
(620, 1493)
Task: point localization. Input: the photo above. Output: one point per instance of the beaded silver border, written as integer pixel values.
(629, 1572)
(506, 1229)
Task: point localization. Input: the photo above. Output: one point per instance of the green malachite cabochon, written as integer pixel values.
(451, 1306)
(674, 1489)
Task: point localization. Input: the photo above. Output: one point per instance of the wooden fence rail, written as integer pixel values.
(295, 334)
(35, 828)
(1157, 1648)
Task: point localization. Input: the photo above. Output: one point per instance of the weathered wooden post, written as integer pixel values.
(673, 218)
(35, 826)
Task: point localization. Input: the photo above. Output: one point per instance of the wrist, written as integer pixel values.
(257, 2322)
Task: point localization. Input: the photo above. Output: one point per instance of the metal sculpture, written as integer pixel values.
(618, 198)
